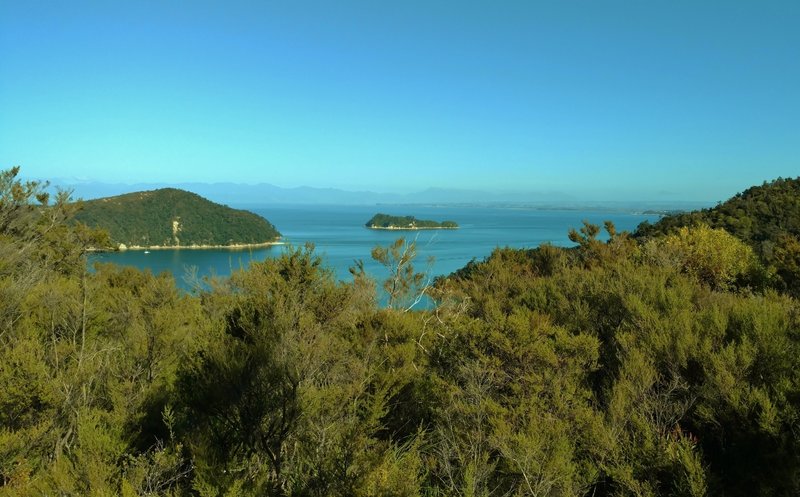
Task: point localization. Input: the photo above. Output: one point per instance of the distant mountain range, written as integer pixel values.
(265, 193)
(243, 195)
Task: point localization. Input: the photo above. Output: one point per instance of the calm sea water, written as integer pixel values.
(340, 237)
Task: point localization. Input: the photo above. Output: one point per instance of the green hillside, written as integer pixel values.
(172, 218)
(767, 217)
(758, 214)
(385, 221)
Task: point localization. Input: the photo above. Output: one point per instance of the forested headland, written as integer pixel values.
(173, 218)
(388, 222)
(766, 217)
(662, 364)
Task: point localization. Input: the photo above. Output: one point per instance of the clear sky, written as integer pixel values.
(630, 100)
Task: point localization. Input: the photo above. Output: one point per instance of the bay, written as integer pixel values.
(340, 237)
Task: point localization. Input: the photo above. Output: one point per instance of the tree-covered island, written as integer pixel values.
(387, 222)
(172, 218)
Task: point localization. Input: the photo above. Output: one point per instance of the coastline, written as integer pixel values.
(412, 228)
(233, 247)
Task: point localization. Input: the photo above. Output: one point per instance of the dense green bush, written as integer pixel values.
(766, 217)
(610, 369)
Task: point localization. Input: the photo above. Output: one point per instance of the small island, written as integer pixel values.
(387, 222)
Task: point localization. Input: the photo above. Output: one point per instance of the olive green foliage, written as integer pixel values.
(758, 214)
(670, 386)
(289, 396)
(406, 222)
(713, 256)
(404, 287)
(171, 217)
(766, 217)
(786, 257)
(614, 368)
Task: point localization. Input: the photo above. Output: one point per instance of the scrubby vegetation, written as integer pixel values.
(620, 368)
(170, 217)
(386, 221)
(766, 217)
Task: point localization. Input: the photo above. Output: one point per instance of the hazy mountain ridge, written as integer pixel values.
(266, 193)
(243, 195)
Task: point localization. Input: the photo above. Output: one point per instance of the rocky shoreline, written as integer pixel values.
(412, 228)
(235, 247)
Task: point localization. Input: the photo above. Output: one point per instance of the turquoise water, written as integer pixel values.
(339, 235)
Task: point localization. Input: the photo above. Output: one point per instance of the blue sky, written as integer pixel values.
(691, 100)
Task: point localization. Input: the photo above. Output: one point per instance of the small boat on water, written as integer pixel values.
(146, 251)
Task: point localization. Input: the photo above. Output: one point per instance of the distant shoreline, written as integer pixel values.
(232, 247)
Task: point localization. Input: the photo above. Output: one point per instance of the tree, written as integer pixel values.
(404, 287)
(593, 251)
